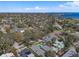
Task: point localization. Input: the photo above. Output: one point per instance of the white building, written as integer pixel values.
(17, 46)
(8, 55)
(57, 46)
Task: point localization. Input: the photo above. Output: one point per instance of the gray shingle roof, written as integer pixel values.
(71, 53)
(45, 48)
(37, 50)
(47, 38)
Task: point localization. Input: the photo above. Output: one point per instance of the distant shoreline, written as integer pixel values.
(72, 15)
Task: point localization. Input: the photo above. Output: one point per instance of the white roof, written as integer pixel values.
(54, 49)
(77, 23)
(57, 25)
(31, 55)
(17, 46)
(57, 46)
(76, 34)
(22, 31)
(7, 55)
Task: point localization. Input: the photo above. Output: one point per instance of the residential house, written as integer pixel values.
(76, 27)
(31, 55)
(8, 55)
(76, 34)
(70, 53)
(57, 46)
(7, 21)
(76, 44)
(45, 48)
(21, 30)
(2, 28)
(25, 53)
(48, 37)
(57, 26)
(60, 52)
(22, 51)
(17, 46)
(38, 51)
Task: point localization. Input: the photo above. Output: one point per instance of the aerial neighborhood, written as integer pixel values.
(38, 35)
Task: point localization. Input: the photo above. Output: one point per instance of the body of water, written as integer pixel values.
(69, 14)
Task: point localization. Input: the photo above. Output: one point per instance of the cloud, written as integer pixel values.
(27, 8)
(68, 7)
(65, 7)
(72, 4)
(36, 8)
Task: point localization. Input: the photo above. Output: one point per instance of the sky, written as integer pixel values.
(39, 6)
